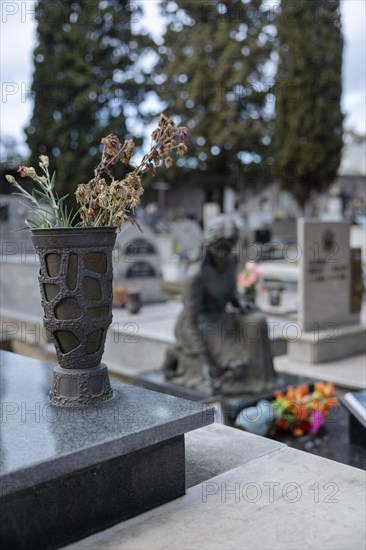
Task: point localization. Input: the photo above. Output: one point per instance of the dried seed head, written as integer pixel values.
(168, 162)
(129, 147)
(183, 132)
(112, 148)
(82, 193)
(182, 150)
(163, 121)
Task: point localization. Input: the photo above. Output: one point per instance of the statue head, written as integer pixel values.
(219, 240)
(221, 227)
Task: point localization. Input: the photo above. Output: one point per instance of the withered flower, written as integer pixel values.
(183, 132)
(108, 204)
(120, 218)
(133, 181)
(118, 189)
(82, 193)
(168, 162)
(128, 149)
(104, 200)
(163, 120)
(112, 149)
(182, 149)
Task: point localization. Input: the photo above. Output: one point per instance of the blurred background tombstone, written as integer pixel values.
(330, 294)
(209, 211)
(161, 187)
(186, 238)
(136, 262)
(12, 216)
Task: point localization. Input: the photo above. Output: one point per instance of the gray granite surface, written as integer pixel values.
(215, 449)
(41, 442)
(280, 498)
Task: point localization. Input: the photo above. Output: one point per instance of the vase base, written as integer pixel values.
(80, 387)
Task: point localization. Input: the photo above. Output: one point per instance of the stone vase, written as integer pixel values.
(134, 300)
(76, 287)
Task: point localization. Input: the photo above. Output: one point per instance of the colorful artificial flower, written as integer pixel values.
(248, 280)
(300, 410)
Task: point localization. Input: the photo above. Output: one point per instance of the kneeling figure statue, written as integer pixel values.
(222, 343)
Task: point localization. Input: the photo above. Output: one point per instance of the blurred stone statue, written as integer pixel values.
(222, 343)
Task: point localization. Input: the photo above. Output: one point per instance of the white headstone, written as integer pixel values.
(229, 200)
(325, 275)
(258, 219)
(136, 262)
(13, 213)
(333, 210)
(210, 211)
(186, 237)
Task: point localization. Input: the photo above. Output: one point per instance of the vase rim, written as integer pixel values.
(103, 229)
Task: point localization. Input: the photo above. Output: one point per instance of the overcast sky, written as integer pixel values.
(18, 40)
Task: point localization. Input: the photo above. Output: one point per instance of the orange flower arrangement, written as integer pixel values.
(300, 410)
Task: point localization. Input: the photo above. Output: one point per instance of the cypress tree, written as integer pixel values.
(212, 73)
(83, 79)
(308, 130)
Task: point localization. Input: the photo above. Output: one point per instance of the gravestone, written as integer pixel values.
(260, 218)
(209, 211)
(329, 328)
(12, 216)
(257, 245)
(283, 231)
(136, 262)
(21, 312)
(186, 238)
(325, 274)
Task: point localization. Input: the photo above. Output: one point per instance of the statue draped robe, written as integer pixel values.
(236, 344)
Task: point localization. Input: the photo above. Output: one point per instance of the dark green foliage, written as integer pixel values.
(83, 79)
(308, 131)
(212, 74)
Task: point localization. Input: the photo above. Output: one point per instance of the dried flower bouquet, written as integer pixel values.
(104, 201)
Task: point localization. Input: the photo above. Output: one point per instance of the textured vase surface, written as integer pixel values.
(76, 287)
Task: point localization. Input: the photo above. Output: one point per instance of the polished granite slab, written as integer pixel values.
(337, 440)
(229, 405)
(40, 441)
(68, 473)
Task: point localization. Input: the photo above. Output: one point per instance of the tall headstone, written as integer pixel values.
(209, 211)
(230, 199)
(329, 328)
(325, 274)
